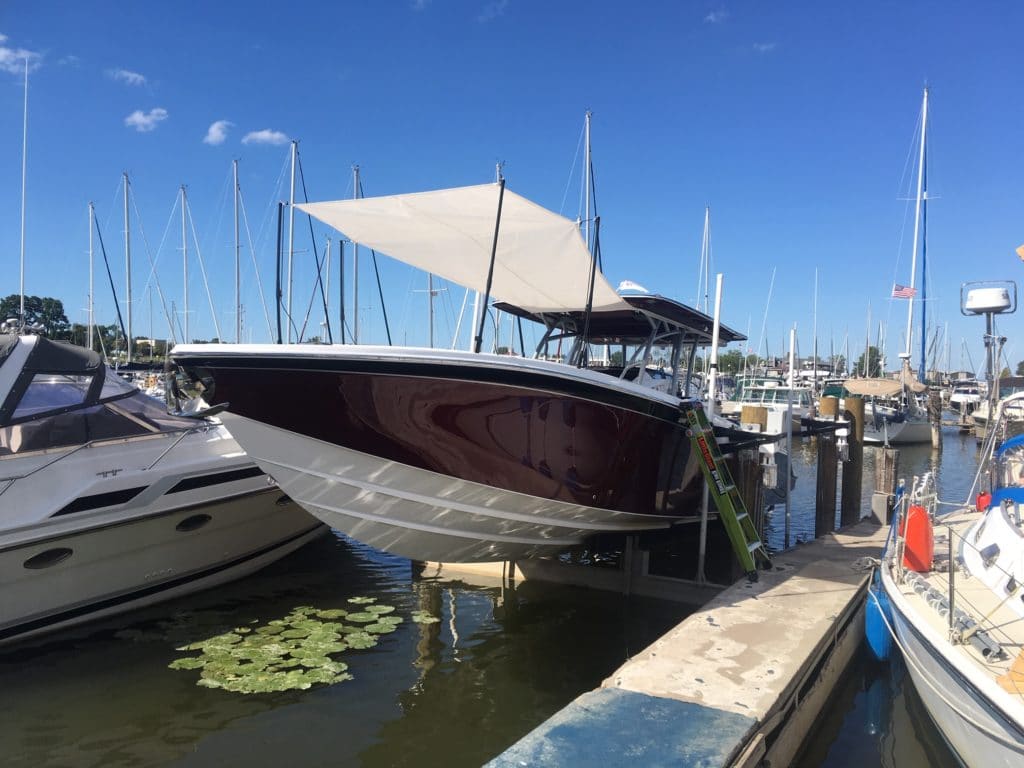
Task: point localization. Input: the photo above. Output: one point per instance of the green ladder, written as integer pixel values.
(745, 541)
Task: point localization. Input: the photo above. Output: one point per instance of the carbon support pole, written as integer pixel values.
(478, 341)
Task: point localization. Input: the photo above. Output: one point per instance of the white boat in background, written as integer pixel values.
(892, 415)
(1012, 422)
(110, 504)
(774, 394)
(965, 395)
(950, 594)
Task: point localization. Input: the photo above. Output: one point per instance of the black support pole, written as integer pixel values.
(590, 293)
(478, 342)
(277, 295)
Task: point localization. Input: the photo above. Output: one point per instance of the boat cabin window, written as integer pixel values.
(51, 392)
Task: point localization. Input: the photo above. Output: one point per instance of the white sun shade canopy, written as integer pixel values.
(541, 263)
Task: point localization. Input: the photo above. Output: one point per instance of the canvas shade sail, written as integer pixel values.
(873, 387)
(541, 263)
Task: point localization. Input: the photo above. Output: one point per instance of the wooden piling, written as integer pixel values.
(829, 408)
(825, 495)
(746, 471)
(754, 414)
(853, 467)
(887, 467)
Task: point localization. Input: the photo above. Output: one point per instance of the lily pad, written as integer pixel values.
(362, 600)
(332, 613)
(188, 662)
(361, 640)
(381, 628)
(424, 617)
(380, 609)
(362, 618)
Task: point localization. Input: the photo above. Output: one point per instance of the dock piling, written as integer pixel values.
(853, 467)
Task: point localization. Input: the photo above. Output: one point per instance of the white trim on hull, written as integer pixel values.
(417, 513)
(941, 682)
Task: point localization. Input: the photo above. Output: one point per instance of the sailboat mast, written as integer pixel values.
(24, 167)
(917, 221)
(184, 259)
(92, 217)
(238, 278)
(291, 237)
(355, 264)
(921, 373)
(128, 272)
(814, 352)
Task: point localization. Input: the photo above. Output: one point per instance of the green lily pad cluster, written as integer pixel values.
(291, 653)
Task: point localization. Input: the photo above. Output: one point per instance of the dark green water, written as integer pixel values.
(454, 693)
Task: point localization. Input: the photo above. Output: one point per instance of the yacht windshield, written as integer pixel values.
(51, 392)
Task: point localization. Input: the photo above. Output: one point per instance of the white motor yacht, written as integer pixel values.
(107, 503)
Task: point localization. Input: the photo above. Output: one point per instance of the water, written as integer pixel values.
(454, 693)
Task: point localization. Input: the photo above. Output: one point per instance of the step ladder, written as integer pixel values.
(746, 542)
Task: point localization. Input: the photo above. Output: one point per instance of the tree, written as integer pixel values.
(874, 367)
(1020, 368)
(45, 314)
(731, 361)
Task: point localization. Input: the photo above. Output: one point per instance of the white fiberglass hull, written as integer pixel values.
(962, 704)
(129, 522)
(141, 561)
(908, 432)
(417, 513)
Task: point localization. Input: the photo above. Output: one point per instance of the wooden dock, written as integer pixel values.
(739, 683)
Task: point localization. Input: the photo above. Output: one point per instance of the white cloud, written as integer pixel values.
(144, 122)
(217, 132)
(492, 10)
(126, 76)
(716, 17)
(764, 47)
(13, 59)
(266, 136)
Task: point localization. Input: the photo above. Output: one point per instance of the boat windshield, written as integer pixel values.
(54, 412)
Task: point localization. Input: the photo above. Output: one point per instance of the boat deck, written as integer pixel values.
(997, 617)
(735, 681)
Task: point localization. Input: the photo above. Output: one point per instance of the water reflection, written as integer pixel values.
(500, 661)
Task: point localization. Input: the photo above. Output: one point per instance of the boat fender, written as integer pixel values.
(919, 540)
(983, 501)
(877, 620)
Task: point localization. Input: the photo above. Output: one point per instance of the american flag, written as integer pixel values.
(903, 291)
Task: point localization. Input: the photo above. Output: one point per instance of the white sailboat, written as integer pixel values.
(891, 411)
(949, 595)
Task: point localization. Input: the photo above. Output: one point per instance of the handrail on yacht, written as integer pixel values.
(185, 431)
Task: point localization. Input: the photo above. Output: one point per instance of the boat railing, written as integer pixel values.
(179, 434)
(967, 623)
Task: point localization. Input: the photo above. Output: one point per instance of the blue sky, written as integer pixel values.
(794, 121)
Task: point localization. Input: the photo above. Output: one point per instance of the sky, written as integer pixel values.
(796, 122)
